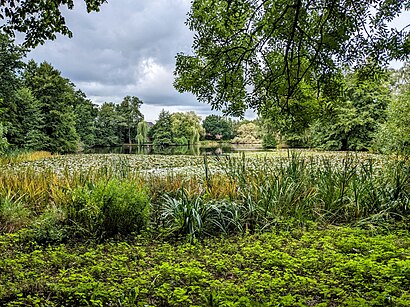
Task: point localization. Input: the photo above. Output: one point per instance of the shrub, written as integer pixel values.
(49, 227)
(269, 141)
(181, 141)
(108, 208)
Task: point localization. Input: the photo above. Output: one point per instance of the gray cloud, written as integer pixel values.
(128, 48)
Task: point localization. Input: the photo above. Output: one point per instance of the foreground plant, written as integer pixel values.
(333, 267)
(108, 208)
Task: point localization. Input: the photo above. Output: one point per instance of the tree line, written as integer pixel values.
(42, 110)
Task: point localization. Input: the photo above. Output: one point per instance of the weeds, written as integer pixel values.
(195, 217)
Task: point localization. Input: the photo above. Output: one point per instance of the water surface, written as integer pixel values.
(217, 149)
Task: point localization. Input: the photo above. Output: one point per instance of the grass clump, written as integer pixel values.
(196, 217)
(18, 156)
(106, 209)
(14, 215)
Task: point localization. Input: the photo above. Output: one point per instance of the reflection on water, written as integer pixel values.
(176, 150)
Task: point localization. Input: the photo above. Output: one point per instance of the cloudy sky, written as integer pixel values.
(128, 48)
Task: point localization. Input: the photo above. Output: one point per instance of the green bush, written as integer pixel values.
(49, 227)
(108, 208)
(269, 141)
(181, 141)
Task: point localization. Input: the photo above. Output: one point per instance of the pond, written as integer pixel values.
(201, 149)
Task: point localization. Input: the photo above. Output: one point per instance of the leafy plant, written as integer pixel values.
(195, 218)
(108, 208)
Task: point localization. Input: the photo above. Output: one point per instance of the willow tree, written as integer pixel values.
(142, 133)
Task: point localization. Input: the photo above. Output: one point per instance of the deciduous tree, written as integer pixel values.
(257, 53)
(38, 20)
(217, 127)
(56, 96)
(130, 115)
(161, 132)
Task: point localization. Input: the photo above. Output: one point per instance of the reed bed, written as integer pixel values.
(201, 196)
(21, 156)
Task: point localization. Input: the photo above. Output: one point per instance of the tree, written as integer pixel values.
(161, 132)
(186, 128)
(291, 127)
(142, 133)
(29, 133)
(393, 136)
(217, 127)
(56, 96)
(253, 54)
(269, 132)
(10, 67)
(3, 140)
(38, 20)
(247, 133)
(130, 115)
(107, 126)
(351, 121)
(85, 113)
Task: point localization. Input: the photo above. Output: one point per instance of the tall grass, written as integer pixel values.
(14, 215)
(19, 156)
(234, 194)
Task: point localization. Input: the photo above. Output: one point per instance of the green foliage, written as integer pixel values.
(142, 133)
(39, 21)
(263, 213)
(129, 115)
(49, 227)
(247, 133)
(333, 267)
(186, 128)
(56, 98)
(108, 208)
(176, 129)
(268, 132)
(217, 127)
(107, 126)
(195, 217)
(10, 64)
(29, 133)
(14, 215)
(393, 136)
(4, 144)
(161, 132)
(269, 141)
(256, 55)
(350, 122)
(85, 124)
